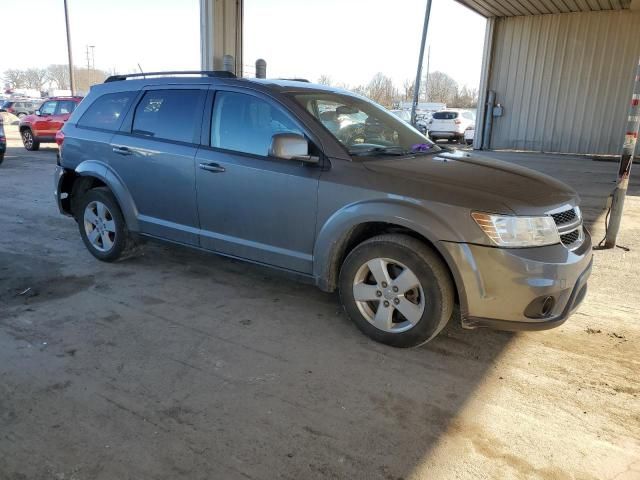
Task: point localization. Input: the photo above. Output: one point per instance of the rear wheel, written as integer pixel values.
(102, 226)
(28, 140)
(1, 158)
(396, 290)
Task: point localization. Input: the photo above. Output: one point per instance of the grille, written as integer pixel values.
(565, 217)
(570, 238)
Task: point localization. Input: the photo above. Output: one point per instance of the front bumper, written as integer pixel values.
(499, 286)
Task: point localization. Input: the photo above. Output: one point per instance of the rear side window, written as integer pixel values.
(245, 123)
(445, 115)
(65, 106)
(106, 111)
(169, 115)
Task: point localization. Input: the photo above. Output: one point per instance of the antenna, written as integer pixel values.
(143, 75)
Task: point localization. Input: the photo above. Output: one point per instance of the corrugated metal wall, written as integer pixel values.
(564, 80)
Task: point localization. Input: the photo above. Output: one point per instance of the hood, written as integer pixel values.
(477, 182)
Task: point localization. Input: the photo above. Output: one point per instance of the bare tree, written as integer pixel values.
(86, 77)
(35, 78)
(408, 87)
(440, 87)
(381, 90)
(15, 78)
(59, 75)
(466, 98)
(325, 80)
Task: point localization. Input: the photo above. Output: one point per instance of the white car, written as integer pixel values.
(450, 124)
(469, 133)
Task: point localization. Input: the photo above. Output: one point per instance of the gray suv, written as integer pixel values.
(325, 184)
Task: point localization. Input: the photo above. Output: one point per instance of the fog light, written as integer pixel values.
(541, 307)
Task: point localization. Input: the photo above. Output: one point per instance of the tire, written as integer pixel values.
(432, 299)
(112, 235)
(1, 158)
(28, 140)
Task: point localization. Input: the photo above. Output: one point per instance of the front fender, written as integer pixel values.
(102, 171)
(333, 235)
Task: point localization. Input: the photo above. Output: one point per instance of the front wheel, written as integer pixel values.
(102, 226)
(396, 290)
(29, 141)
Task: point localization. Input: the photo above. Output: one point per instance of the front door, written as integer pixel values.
(252, 205)
(42, 124)
(154, 153)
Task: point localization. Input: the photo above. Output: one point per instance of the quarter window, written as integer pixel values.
(106, 112)
(168, 115)
(245, 123)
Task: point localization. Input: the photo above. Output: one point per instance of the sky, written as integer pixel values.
(348, 40)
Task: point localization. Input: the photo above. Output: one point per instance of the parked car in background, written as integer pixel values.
(21, 107)
(405, 115)
(450, 124)
(259, 169)
(3, 142)
(469, 133)
(44, 123)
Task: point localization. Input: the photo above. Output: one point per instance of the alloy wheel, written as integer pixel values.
(388, 295)
(99, 226)
(27, 139)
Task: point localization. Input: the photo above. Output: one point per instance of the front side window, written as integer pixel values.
(363, 127)
(65, 106)
(168, 114)
(48, 108)
(245, 123)
(106, 111)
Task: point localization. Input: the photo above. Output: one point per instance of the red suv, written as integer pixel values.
(42, 126)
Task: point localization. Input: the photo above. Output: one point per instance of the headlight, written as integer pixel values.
(511, 231)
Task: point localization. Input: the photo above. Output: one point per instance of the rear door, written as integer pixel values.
(61, 114)
(153, 154)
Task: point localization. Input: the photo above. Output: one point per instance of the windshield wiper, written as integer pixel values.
(392, 150)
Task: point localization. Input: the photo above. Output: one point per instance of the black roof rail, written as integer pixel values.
(295, 80)
(206, 73)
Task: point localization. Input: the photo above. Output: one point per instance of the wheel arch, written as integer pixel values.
(91, 174)
(343, 232)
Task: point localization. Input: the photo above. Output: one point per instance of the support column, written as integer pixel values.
(221, 33)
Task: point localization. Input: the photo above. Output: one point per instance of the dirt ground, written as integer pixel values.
(175, 364)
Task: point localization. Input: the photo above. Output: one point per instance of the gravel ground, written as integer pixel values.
(176, 364)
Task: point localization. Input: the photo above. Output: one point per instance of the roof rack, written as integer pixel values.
(295, 80)
(206, 73)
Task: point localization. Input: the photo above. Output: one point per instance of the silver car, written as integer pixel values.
(331, 187)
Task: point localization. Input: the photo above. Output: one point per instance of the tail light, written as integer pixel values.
(10, 109)
(457, 121)
(3, 139)
(59, 138)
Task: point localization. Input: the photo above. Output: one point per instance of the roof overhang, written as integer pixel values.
(514, 8)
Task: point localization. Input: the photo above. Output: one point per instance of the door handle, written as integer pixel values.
(121, 150)
(212, 167)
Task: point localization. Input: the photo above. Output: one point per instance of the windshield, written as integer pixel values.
(363, 127)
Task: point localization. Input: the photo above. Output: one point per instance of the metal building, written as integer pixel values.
(561, 69)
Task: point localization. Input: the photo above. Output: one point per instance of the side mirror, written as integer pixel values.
(37, 112)
(291, 146)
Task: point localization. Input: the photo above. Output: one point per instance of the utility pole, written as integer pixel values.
(416, 86)
(72, 80)
(93, 56)
(626, 160)
(426, 82)
(88, 58)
